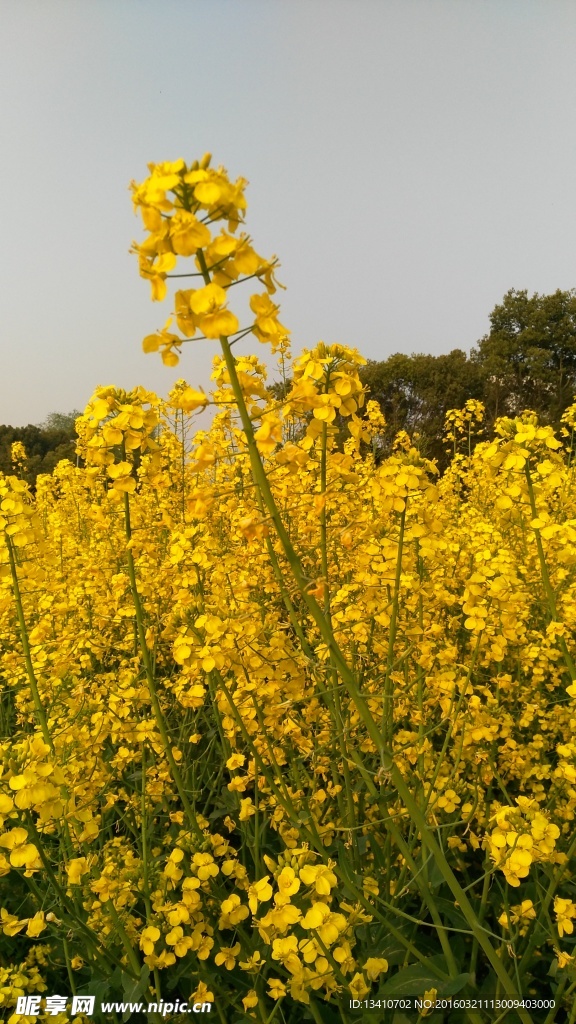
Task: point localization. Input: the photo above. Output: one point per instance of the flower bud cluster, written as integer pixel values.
(522, 836)
(18, 518)
(179, 206)
(325, 383)
(116, 425)
(519, 439)
(462, 424)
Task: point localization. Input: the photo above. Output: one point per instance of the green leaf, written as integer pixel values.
(133, 988)
(455, 985)
(418, 978)
(435, 876)
(451, 915)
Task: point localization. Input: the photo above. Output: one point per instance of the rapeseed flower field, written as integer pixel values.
(285, 728)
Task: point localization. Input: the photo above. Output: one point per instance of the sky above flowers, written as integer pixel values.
(408, 163)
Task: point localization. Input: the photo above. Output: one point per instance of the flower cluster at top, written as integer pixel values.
(184, 210)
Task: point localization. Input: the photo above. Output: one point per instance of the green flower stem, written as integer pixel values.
(145, 654)
(93, 952)
(38, 706)
(323, 519)
(130, 951)
(420, 676)
(273, 1012)
(551, 1015)
(300, 578)
(481, 914)
(40, 713)
(336, 706)
(256, 839)
(315, 1012)
(145, 863)
(282, 797)
(548, 589)
(427, 896)
(69, 966)
(454, 718)
(100, 952)
(330, 695)
(388, 704)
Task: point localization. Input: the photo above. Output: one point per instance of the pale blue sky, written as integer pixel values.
(409, 162)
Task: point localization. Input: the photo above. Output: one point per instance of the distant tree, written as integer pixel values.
(61, 421)
(415, 392)
(46, 444)
(528, 359)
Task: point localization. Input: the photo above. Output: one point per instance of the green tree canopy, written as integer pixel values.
(61, 421)
(415, 393)
(528, 359)
(46, 444)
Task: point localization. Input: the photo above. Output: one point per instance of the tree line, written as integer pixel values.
(526, 361)
(45, 443)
